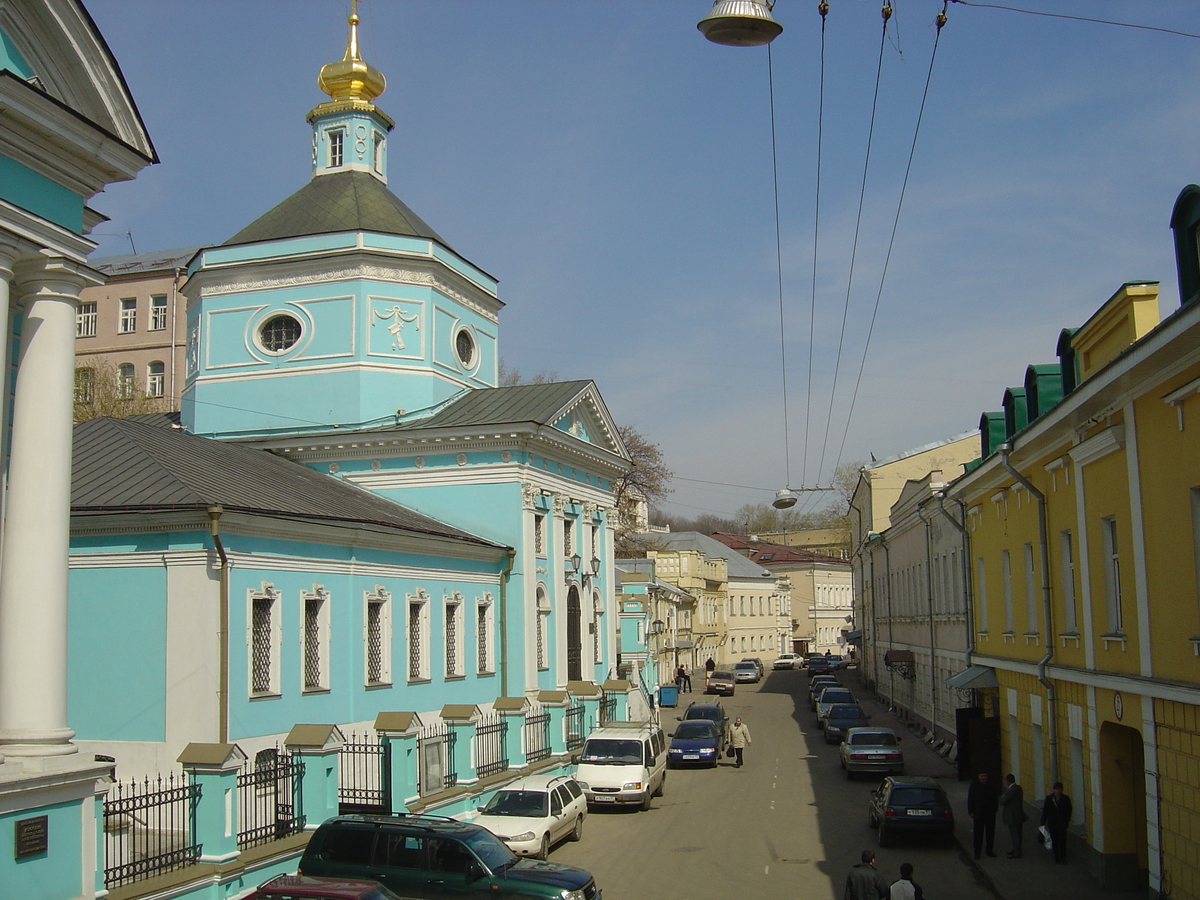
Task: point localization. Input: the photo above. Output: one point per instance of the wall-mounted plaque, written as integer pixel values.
(31, 836)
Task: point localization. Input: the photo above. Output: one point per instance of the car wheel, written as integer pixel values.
(646, 801)
(544, 850)
(662, 786)
(577, 831)
(884, 837)
(872, 822)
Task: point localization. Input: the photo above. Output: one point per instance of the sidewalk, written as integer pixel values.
(1034, 876)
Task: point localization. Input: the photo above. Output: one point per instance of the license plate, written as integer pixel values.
(876, 756)
(601, 798)
(920, 812)
(691, 756)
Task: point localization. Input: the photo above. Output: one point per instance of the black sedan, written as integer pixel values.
(910, 805)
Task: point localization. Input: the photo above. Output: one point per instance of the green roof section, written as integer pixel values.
(1016, 411)
(991, 432)
(329, 204)
(1043, 388)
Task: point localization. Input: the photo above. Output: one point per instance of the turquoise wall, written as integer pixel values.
(116, 639)
(56, 873)
(39, 195)
(11, 59)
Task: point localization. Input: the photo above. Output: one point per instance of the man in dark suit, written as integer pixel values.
(1012, 813)
(1056, 816)
(982, 802)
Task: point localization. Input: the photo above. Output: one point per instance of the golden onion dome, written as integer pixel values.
(350, 78)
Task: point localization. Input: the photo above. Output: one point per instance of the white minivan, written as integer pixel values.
(623, 763)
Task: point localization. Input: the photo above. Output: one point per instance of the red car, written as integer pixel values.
(308, 887)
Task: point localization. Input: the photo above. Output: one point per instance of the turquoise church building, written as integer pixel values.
(348, 516)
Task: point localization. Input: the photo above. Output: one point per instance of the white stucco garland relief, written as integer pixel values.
(220, 286)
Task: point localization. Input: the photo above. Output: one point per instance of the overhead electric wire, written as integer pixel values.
(787, 454)
(1050, 15)
(887, 14)
(941, 20)
(823, 9)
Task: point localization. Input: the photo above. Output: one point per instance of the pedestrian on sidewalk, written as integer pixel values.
(982, 803)
(686, 672)
(865, 882)
(1012, 813)
(739, 737)
(1056, 816)
(904, 888)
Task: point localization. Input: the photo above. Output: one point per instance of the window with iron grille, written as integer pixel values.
(127, 321)
(377, 636)
(597, 625)
(158, 312)
(315, 639)
(568, 537)
(264, 641)
(483, 634)
(85, 319)
(454, 666)
(539, 535)
(418, 636)
(543, 612)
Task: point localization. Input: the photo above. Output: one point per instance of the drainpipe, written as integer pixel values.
(932, 633)
(214, 517)
(512, 556)
(966, 565)
(174, 304)
(1051, 700)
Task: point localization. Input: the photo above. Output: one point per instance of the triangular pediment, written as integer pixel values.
(586, 417)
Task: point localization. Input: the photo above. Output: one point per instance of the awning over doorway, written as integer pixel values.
(974, 677)
(854, 637)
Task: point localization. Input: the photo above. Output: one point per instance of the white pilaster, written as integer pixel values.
(33, 579)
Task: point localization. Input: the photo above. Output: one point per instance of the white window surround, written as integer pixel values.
(453, 635)
(1112, 577)
(377, 637)
(264, 641)
(337, 138)
(542, 613)
(127, 320)
(85, 319)
(597, 627)
(126, 381)
(1006, 576)
(158, 312)
(314, 640)
(1031, 596)
(417, 636)
(484, 654)
(155, 379)
(1067, 557)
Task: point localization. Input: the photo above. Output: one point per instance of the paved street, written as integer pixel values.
(788, 824)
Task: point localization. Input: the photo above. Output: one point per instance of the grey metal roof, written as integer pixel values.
(739, 566)
(342, 201)
(542, 404)
(138, 464)
(150, 261)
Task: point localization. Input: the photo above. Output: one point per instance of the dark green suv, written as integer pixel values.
(433, 857)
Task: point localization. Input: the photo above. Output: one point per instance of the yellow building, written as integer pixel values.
(1084, 524)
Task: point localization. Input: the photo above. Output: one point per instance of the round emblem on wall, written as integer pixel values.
(1118, 705)
(505, 456)
(334, 468)
(462, 459)
(375, 465)
(419, 462)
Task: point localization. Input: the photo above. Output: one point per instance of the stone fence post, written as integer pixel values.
(215, 768)
(318, 746)
(398, 733)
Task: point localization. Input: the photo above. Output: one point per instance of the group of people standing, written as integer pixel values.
(865, 882)
(984, 800)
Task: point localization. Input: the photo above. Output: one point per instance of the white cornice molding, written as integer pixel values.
(1141, 685)
(1176, 397)
(150, 559)
(32, 234)
(358, 567)
(1098, 446)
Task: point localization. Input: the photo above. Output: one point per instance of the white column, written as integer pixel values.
(33, 579)
(8, 256)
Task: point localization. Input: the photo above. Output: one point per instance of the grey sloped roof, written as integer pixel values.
(739, 566)
(342, 201)
(138, 464)
(540, 403)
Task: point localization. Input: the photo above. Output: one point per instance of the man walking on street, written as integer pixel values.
(739, 737)
(865, 882)
(904, 888)
(685, 673)
(1012, 813)
(982, 802)
(1056, 816)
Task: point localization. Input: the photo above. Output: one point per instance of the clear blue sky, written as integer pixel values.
(613, 170)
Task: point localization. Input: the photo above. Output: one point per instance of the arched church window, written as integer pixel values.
(279, 333)
(464, 345)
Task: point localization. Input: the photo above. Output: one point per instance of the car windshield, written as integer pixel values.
(613, 752)
(518, 803)
(490, 849)
(706, 712)
(836, 695)
(746, 666)
(696, 728)
(873, 739)
(845, 711)
(725, 675)
(913, 796)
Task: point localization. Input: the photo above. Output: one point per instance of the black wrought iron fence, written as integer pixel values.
(365, 776)
(575, 731)
(491, 745)
(149, 828)
(269, 799)
(608, 708)
(436, 768)
(537, 736)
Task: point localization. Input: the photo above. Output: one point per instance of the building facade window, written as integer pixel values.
(125, 381)
(543, 614)
(1006, 575)
(1067, 556)
(314, 639)
(85, 319)
(483, 635)
(418, 636)
(377, 636)
(597, 626)
(156, 380)
(1031, 624)
(336, 139)
(158, 312)
(85, 385)
(539, 535)
(263, 640)
(568, 537)
(454, 635)
(982, 624)
(1112, 575)
(127, 321)
(377, 155)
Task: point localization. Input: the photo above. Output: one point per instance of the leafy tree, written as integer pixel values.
(101, 390)
(506, 377)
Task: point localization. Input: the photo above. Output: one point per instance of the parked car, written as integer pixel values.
(818, 665)
(429, 857)
(762, 670)
(785, 661)
(840, 718)
(910, 805)
(746, 672)
(837, 662)
(819, 684)
(534, 813)
(294, 887)
(721, 682)
(623, 763)
(871, 750)
(696, 742)
(713, 712)
(830, 696)
(808, 659)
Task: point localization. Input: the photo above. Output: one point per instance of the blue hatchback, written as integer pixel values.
(696, 742)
